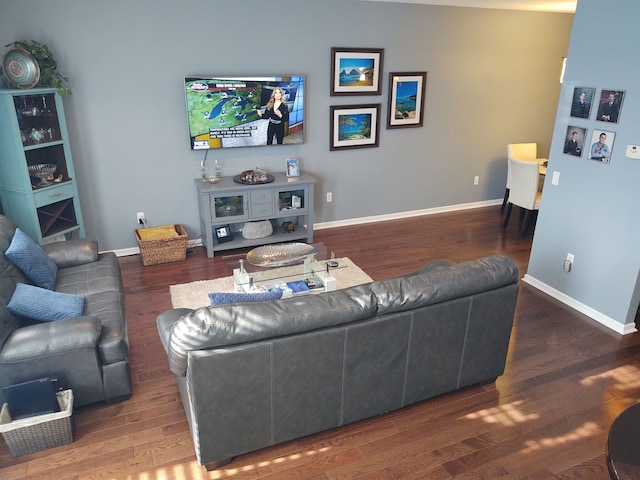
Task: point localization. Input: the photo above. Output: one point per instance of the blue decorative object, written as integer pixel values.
(44, 305)
(220, 298)
(29, 257)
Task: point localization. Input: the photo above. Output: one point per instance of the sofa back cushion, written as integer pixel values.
(431, 286)
(240, 323)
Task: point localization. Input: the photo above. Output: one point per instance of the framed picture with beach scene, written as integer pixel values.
(356, 71)
(406, 99)
(355, 126)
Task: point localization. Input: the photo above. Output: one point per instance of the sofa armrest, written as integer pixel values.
(72, 252)
(51, 338)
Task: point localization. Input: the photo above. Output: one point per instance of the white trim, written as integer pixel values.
(411, 213)
(123, 252)
(623, 329)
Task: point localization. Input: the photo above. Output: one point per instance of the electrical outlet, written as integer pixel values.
(329, 197)
(140, 218)
(476, 180)
(568, 263)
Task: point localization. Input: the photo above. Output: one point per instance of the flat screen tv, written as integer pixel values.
(228, 112)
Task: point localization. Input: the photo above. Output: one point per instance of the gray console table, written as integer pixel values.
(230, 204)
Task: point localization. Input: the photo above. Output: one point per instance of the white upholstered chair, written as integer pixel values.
(524, 191)
(520, 151)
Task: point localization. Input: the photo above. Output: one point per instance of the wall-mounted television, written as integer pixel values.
(225, 112)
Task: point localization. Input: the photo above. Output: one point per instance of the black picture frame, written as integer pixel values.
(223, 233)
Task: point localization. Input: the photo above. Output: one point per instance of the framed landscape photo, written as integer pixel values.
(355, 126)
(356, 71)
(406, 99)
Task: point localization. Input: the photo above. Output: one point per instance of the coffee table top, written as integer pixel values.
(319, 262)
(233, 261)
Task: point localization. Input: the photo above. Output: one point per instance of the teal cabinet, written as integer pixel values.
(38, 188)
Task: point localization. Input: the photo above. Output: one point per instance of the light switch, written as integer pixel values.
(633, 151)
(555, 178)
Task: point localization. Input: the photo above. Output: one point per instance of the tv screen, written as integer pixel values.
(240, 111)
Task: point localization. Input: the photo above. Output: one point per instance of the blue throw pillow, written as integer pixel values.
(222, 298)
(32, 260)
(44, 305)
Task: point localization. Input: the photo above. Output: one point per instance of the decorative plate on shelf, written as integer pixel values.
(20, 68)
(279, 255)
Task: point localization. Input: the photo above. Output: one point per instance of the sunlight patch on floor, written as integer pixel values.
(507, 415)
(626, 377)
(587, 429)
(230, 472)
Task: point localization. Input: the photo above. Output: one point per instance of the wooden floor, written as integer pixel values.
(566, 380)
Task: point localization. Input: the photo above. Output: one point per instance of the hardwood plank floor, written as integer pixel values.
(548, 416)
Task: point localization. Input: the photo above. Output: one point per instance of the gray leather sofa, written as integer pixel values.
(88, 353)
(252, 375)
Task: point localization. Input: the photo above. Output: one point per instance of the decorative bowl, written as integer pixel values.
(43, 171)
(226, 210)
(279, 255)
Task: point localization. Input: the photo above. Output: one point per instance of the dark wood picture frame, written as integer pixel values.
(354, 126)
(356, 71)
(406, 99)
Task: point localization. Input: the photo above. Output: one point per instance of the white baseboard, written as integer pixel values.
(408, 214)
(123, 252)
(599, 317)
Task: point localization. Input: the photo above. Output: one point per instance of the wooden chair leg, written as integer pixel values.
(505, 199)
(507, 215)
(531, 215)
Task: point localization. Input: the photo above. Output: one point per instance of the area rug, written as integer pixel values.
(195, 294)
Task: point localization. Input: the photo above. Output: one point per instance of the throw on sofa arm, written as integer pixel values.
(72, 252)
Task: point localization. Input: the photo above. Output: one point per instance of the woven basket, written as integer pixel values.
(165, 250)
(37, 433)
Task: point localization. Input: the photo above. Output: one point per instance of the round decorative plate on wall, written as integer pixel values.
(20, 68)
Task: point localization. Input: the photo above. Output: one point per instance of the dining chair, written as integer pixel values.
(521, 151)
(524, 191)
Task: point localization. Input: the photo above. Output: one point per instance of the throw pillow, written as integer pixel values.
(44, 305)
(29, 257)
(222, 297)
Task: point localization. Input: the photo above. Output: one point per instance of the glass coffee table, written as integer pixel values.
(307, 273)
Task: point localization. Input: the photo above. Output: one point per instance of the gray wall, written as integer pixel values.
(492, 79)
(593, 212)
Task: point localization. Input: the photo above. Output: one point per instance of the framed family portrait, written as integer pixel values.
(223, 233)
(355, 126)
(406, 99)
(293, 169)
(601, 146)
(356, 71)
(582, 101)
(610, 105)
(574, 140)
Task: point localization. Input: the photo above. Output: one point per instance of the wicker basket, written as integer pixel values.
(165, 250)
(37, 433)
